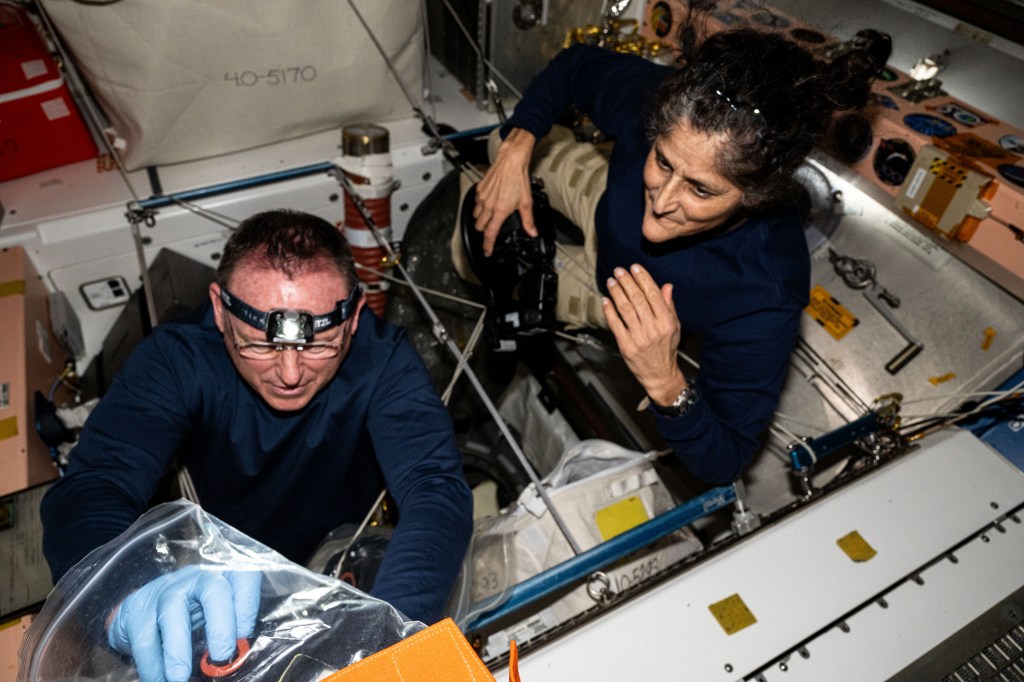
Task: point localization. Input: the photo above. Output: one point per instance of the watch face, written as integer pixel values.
(681, 405)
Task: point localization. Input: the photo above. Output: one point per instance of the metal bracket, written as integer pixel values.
(137, 214)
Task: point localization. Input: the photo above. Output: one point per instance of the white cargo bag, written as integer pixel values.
(182, 79)
(600, 489)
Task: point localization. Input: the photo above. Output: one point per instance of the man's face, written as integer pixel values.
(287, 380)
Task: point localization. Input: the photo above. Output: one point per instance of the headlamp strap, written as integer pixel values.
(260, 319)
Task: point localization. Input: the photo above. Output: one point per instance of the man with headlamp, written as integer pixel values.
(290, 407)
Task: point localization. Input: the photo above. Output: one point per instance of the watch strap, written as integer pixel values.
(682, 403)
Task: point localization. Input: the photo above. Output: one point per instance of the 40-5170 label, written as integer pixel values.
(288, 76)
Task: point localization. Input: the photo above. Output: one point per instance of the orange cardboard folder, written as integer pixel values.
(440, 652)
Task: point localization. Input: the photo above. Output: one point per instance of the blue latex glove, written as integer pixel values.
(154, 624)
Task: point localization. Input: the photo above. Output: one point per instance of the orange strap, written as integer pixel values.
(513, 662)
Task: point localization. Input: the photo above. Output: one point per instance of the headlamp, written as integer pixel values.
(288, 325)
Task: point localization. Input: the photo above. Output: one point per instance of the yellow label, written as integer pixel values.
(15, 287)
(732, 614)
(856, 547)
(620, 516)
(10, 624)
(830, 313)
(8, 427)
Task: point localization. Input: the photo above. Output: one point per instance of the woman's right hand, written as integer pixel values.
(505, 188)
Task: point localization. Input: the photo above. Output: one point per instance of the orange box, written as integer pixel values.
(440, 652)
(31, 361)
(11, 634)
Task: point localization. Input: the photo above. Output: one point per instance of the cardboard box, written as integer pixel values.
(440, 652)
(39, 125)
(11, 634)
(31, 361)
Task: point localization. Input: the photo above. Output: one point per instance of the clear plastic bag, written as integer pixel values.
(308, 624)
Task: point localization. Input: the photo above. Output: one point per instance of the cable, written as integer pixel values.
(428, 76)
(440, 294)
(474, 335)
(957, 417)
(96, 119)
(62, 379)
(975, 394)
(359, 531)
(387, 61)
(801, 422)
(795, 440)
(214, 217)
(444, 338)
(474, 338)
(479, 52)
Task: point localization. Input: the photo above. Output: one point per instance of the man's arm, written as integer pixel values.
(415, 444)
(124, 450)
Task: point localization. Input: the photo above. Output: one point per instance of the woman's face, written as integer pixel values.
(684, 193)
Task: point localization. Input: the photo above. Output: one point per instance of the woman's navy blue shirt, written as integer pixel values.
(741, 291)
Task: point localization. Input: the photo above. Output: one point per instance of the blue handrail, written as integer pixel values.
(832, 442)
(586, 563)
(235, 185)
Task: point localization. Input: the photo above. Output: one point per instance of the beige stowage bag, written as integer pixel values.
(182, 80)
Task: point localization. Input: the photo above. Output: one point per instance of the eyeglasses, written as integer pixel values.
(265, 350)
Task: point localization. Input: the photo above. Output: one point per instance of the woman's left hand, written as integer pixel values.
(643, 319)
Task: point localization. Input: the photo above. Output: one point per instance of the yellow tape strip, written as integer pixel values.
(16, 287)
(856, 547)
(8, 428)
(732, 614)
(990, 335)
(10, 624)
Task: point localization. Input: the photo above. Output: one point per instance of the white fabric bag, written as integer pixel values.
(600, 489)
(184, 79)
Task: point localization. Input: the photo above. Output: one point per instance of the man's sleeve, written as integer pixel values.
(125, 448)
(414, 440)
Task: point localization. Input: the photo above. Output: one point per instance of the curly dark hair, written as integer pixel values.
(771, 98)
(287, 241)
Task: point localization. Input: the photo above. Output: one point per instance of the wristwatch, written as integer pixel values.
(681, 405)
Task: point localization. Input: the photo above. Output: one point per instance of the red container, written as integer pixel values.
(40, 128)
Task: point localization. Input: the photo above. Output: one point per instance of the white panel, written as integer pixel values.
(792, 576)
(882, 641)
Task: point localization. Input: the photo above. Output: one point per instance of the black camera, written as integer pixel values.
(519, 275)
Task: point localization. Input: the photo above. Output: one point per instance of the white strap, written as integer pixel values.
(632, 483)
